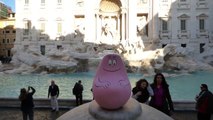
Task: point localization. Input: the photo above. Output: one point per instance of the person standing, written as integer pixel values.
(77, 91)
(204, 105)
(142, 91)
(161, 99)
(27, 104)
(53, 92)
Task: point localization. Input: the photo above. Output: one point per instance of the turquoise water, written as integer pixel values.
(183, 87)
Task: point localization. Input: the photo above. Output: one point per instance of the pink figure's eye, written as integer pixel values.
(114, 62)
(110, 62)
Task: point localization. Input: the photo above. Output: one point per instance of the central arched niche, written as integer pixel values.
(110, 21)
(110, 6)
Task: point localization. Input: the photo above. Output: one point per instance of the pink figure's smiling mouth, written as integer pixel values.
(111, 70)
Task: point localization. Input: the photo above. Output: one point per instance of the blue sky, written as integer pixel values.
(10, 3)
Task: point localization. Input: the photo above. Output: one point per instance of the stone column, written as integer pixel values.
(89, 21)
(155, 6)
(98, 26)
(118, 25)
(132, 20)
(123, 26)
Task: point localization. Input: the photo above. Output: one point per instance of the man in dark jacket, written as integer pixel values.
(204, 103)
(53, 91)
(77, 91)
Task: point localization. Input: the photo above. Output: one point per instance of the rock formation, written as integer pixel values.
(88, 55)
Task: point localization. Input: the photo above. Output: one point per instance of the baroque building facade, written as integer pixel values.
(7, 37)
(51, 24)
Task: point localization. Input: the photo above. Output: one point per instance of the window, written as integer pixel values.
(26, 29)
(42, 49)
(7, 31)
(59, 47)
(27, 26)
(202, 21)
(144, 1)
(202, 24)
(3, 41)
(164, 25)
(8, 40)
(59, 28)
(42, 27)
(183, 45)
(26, 2)
(182, 24)
(9, 52)
(59, 1)
(163, 45)
(202, 47)
(42, 1)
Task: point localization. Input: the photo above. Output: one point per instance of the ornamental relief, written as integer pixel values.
(142, 2)
(79, 3)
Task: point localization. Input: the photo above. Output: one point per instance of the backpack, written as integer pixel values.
(75, 89)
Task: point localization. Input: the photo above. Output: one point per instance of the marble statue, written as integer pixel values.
(141, 27)
(106, 35)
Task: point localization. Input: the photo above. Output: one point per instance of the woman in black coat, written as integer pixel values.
(27, 105)
(142, 91)
(162, 98)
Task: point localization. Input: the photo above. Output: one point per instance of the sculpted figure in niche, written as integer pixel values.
(140, 2)
(106, 34)
(141, 28)
(79, 33)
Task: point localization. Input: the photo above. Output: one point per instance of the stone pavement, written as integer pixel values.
(46, 114)
(39, 114)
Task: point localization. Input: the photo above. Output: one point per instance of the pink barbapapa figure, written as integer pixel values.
(111, 86)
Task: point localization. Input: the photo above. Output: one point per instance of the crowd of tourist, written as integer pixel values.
(158, 91)
(156, 94)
